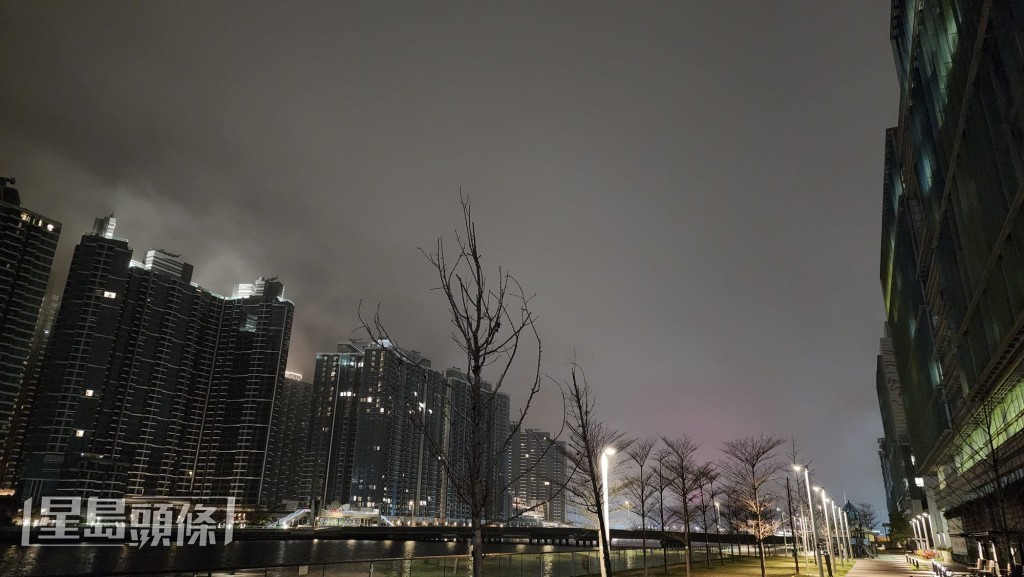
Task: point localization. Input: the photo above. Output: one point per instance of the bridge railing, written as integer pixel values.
(554, 564)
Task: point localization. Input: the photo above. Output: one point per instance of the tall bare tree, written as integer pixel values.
(686, 478)
(713, 493)
(866, 515)
(641, 487)
(706, 503)
(973, 485)
(493, 326)
(749, 468)
(588, 439)
(663, 462)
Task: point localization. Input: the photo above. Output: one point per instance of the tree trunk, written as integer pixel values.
(604, 549)
(643, 516)
(478, 547)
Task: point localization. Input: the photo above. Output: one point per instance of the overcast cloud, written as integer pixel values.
(691, 188)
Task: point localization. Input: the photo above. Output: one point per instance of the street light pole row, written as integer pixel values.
(814, 526)
(839, 529)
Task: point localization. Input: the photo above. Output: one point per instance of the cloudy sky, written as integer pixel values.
(692, 189)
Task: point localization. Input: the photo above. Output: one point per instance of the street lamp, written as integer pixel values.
(814, 526)
(607, 452)
(846, 525)
(548, 513)
(840, 548)
(718, 530)
(824, 511)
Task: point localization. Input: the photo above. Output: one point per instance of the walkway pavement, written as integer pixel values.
(883, 566)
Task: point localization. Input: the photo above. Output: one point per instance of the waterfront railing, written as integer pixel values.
(553, 564)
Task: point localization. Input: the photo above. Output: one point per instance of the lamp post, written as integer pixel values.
(846, 525)
(607, 452)
(840, 545)
(841, 549)
(718, 530)
(926, 525)
(792, 529)
(814, 526)
(824, 511)
(548, 513)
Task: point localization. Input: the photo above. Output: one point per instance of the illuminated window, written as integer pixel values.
(88, 392)
(919, 481)
(109, 295)
(79, 433)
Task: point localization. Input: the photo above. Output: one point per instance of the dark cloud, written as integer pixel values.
(691, 189)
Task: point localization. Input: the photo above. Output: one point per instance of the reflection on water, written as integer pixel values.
(17, 561)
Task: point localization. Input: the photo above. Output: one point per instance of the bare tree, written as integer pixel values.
(588, 439)
(686, 478)
(713, 492)
(975, 476)
(663, 460)
(493, 326)
(706, 502)
(749, 467)
(642, 487)
(866, 515)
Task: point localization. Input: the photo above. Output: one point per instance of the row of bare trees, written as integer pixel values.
(494, 327)
(666, 484)
(668, 487)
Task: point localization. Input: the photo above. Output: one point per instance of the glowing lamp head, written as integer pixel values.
(609, 451)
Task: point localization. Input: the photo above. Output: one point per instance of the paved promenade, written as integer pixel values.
(884, 566)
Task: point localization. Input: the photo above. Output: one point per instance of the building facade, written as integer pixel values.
(904, 488)
(538, 476)
(291, 446)
(336, 382)
(399, 426)
(384, 424)
(12, 458)
(951, 263)
(28, 242)
(494, 411)
(154, 386)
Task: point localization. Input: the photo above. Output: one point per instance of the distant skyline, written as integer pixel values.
(693, 190)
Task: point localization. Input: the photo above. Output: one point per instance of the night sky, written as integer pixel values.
(692, 189)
